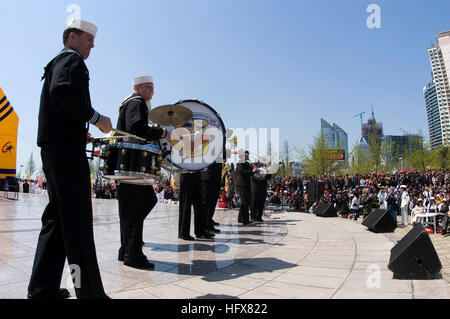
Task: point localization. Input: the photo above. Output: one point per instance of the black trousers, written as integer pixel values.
(244, 194)
(210, 196)
(67, 228)
(135, 203)
(191, 195)
(444, 219)
(258, 199)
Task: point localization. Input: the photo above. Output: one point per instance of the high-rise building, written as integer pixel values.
(363, 151)
(400, 145)
(372, 131)
(440, 69)
(433, 115)
(335, 136)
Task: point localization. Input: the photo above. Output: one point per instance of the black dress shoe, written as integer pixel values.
(188, 237)
(247, 223)
(62, 293)
(120, 257)
(205, 235)
(213, 230)
(139, 264)
(215, 223)
(260, 220)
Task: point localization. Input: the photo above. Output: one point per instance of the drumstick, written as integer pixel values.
(125, 134)
(110, 138)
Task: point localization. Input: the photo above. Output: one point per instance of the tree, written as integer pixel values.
(387, 160)
(420, 158)
(94, 168)
(285, 158)
(374, 141)
(31, 166)
(441, 156)
(360, 163)
(318, 161)
(282, 168)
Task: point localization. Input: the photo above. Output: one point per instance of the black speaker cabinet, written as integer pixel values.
(319, 208)
(313, 191)
(380, 221)
(324, 209)
(414, 256)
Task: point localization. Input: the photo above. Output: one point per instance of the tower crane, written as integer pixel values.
(360, 116)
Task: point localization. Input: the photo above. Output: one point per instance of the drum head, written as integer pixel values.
(199, 142)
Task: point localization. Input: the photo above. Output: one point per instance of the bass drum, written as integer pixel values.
(200, 141)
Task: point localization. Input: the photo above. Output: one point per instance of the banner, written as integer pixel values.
(9, 122)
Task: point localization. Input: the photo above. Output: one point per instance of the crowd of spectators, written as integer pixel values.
(402, 194)
(108, 190)
(167, 192)
(104, 190)
(32, 186)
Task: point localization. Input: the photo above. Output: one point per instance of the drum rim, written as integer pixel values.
(211, 109)
(223, 131)
(135, 147)
(132, 175)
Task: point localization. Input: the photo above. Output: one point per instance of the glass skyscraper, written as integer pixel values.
(437, 91)
(433, 115)
(335, 136)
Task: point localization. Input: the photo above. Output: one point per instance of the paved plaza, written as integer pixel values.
(290, 255)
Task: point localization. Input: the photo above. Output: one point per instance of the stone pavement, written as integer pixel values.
(290, 255)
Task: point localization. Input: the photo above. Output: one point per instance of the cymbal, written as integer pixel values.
(170, 114)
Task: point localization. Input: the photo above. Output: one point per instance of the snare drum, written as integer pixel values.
(132, 163)
(199, 142)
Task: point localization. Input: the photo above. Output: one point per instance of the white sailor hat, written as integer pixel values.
(83, 25)
(142, 79)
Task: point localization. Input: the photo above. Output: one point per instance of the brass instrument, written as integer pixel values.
(261, 173)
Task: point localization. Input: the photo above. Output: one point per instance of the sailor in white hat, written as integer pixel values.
(405, 199)
(79, 35)
(83, 25)
(64, 112)
(136, 201)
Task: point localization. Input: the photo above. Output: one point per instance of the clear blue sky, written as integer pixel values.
(259, 63)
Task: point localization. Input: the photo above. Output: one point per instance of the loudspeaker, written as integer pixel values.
(414, 256)
(313, 191)
(319, 208)
(380, 221)
(324, 209)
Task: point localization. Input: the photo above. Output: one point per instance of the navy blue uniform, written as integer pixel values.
(67, 228)
(135, 201)
(244, 171)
